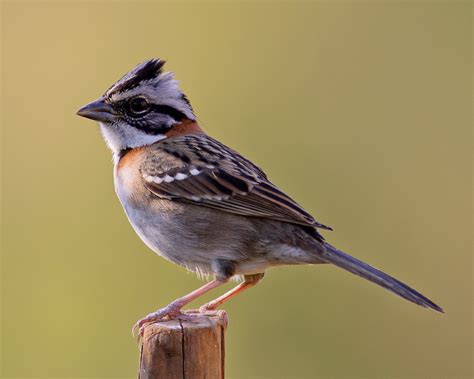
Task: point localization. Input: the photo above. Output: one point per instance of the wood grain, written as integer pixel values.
(178, 349)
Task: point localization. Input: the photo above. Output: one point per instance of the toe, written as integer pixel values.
(207, 308)
(169, 312)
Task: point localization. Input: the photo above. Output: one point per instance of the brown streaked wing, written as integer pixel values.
(234, 192)
(206, 184)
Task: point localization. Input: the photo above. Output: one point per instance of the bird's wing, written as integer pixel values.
(212, 175)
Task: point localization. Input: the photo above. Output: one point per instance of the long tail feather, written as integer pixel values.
(351, 264)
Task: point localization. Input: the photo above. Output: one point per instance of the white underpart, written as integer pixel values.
(122, 136)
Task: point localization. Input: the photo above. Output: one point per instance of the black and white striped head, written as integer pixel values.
(139, 108)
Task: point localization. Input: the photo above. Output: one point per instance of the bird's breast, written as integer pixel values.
(148, 217)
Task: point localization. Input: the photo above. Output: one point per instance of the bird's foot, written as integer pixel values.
(210, 307)
(169, 312)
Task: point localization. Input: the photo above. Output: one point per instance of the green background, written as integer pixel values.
(359, 110)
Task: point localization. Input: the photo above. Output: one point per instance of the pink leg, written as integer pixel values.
(249, 281)
(173, 309)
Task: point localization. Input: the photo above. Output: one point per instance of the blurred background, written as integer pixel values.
(359, 110)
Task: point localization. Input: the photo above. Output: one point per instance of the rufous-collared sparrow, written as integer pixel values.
(200, 204)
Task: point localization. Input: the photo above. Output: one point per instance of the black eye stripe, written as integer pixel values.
(153, 130)
(169, 111)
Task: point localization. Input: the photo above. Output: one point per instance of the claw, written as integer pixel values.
(170, 312)
(139, 327)
(134, 330)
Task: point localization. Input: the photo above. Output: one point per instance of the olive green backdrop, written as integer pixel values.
(359, 110)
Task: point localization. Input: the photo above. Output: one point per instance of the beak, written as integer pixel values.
(98, 110)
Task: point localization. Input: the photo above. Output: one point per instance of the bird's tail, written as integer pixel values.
(351, 264)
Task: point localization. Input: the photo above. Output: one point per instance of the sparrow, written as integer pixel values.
(202, 205)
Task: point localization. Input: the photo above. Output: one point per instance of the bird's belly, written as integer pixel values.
(165, 235)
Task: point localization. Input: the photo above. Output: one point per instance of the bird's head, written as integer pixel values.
(140, 108)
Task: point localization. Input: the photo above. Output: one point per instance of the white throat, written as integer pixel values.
(124, 136)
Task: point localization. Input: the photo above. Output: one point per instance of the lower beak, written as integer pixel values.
(98, 110)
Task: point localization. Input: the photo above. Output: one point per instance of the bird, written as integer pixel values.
(202, 205)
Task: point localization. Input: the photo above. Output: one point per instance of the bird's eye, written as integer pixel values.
(139, 105)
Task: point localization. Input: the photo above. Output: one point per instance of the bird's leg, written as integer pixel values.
(173, 310)
(249, 281)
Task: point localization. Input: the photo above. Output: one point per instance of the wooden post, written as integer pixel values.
(179, 349)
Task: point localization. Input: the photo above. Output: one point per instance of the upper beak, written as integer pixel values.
(98, 110)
